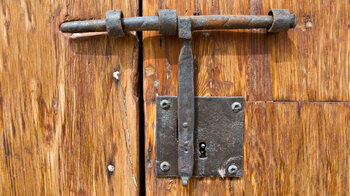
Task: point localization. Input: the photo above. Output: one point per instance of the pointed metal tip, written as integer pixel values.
(185, 180)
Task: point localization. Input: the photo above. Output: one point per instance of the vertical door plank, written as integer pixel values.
(312, 61)
(63, 117)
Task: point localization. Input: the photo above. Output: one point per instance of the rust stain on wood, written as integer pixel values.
(63, 117)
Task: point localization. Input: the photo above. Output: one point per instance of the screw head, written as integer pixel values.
(232, 169)
(110, 168)
(116, 75)
(236, 106)
(165, 104)
(165, 166)
(185, 124)
(202, 145)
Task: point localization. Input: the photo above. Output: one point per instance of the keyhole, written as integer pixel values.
(203, 153)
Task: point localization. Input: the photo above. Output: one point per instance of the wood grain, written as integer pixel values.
(293, 148)
(289, 145)
(290, 148)
(63, 117)
(312, 62)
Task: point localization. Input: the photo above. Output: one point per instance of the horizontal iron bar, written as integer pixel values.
(230, 22)
(151, 23)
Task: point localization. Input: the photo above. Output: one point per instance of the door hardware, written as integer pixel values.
(196, 136)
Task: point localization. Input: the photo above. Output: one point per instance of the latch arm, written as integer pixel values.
(185, 103)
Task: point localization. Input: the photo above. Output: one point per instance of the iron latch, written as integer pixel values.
(196, 136)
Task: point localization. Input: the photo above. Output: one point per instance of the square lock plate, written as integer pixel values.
(218, 137)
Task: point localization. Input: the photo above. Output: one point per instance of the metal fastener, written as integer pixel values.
(165, 166)
(114, 24)
(110, 168)
(232, 169)
(165, 104)
(116, 75)
(167, 22)
(236, 106)
(282, 20)
(185, 124)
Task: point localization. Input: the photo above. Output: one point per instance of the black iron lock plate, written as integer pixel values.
(218, 136)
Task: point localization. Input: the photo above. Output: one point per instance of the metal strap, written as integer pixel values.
(185, 103)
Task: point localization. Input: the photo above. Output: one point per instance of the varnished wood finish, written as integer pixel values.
(295, 148)
(63, 117)
(295, 145)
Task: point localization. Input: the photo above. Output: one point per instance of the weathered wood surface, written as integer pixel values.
(63, 117)
(298, 144)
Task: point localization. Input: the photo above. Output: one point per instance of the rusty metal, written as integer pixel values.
(218, 137)
(282, 20)
(185, 102)
(153, 23)
(230, 22)
(84, 26)
(200, 136)
(147, 23)
(185, 28)
(113, 23)
(167, 22)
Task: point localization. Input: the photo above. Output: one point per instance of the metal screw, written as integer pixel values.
(165, 104)
(116, 75)
(110, 168)
(203, 145)
(185, 124)
(236, 106)
(156, 83)
(232, 169)
(165, 166)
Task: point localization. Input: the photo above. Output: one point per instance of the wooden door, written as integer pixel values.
(68, 127)
(297, 91)
(64, 120)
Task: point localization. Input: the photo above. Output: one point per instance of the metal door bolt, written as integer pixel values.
(168, 23)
